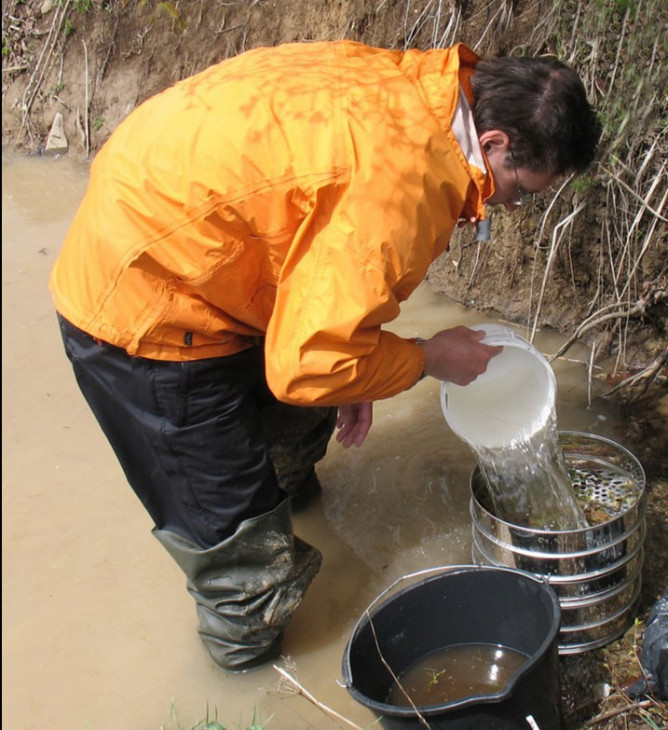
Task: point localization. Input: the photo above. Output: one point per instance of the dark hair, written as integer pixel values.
(541, 104)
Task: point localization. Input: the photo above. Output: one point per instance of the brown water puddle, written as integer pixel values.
(98, 630)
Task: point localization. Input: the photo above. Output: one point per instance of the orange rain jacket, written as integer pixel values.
(296, 194)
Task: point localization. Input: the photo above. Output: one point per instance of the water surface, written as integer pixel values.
(99, 632)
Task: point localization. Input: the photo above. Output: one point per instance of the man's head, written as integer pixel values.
(532, 114)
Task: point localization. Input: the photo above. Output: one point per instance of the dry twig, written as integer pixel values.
(632, 707)
(421, 719)
(305, 693)
(37, 75)
(645, 376)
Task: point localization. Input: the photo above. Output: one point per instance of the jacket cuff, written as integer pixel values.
(419, 341)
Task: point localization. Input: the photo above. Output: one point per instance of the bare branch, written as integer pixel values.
(645, 376)
(305, 693)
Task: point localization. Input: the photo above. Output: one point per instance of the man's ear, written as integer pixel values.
(494, 141)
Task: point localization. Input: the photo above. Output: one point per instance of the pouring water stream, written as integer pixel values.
(507, 416)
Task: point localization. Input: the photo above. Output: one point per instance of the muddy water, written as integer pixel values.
(456, 673)
(98, 630)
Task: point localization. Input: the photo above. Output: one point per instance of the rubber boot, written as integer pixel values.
(247, 587)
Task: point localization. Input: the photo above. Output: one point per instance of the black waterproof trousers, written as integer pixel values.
(196, 440)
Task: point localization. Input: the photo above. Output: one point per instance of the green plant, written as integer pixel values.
(212, 723)
(97, 123)
(435, 676)
(624, 5)
(582, 184)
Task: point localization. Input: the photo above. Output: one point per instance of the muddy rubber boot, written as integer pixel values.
(247, 587)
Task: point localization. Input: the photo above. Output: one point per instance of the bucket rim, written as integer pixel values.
(504, 693)
(499, 335)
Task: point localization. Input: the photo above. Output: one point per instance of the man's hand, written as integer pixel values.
(354, 421)
(457, 355)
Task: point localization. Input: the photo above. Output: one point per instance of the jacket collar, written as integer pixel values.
(451, 104)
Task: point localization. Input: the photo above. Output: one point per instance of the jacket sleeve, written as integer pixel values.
(345, 278)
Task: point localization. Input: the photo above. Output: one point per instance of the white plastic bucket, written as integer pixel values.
(510, 402)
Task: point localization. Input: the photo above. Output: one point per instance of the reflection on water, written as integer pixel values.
(41, 190)
(456, 673)
(99, 630)
(400, 500)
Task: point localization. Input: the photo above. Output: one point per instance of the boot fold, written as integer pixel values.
(247, 587)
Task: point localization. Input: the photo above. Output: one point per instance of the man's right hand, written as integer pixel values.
(457, 355)
(354, 421)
